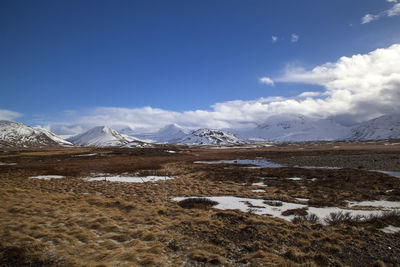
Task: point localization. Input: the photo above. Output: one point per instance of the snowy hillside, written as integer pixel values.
(209, 137)
(294, 128)
(175, 134)
(53, 136)
(100, 136)
(384, 127)
(169, 134)
(15, 134)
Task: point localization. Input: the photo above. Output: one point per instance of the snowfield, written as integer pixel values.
(47, 177)
(275, 208)
(129, 179)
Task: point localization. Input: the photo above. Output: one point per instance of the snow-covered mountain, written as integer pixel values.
(294, 128)
(101, 136)
(16, 134)
(285, 128)
(53, 136)
(169, 134)
(384, 127)
(209, 137)
(175, 134)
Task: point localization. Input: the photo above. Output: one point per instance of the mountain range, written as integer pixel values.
(294, 128)
(285, 128)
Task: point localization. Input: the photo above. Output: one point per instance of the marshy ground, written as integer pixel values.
(70, 221)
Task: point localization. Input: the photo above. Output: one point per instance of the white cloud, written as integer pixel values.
(8, 114)
(274, 38)
(391, 12)
(356, 88)
(363, 86)
(392, 1)
(368, 18)
(294, 38)
(394, 11)
(266, 80)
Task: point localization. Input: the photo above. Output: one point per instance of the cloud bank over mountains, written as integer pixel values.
(356, 88)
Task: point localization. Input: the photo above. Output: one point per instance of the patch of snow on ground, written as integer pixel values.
(259, 184)
(86, 155)
(376, 203)
(257, 206)
(47, 177)
(301, 199)
(394, 174)
(129, 179)
(295, 179)
(258, 190)
(170, 151)
(390, 229)
(7, 164)
(241, 147)
(260, 207)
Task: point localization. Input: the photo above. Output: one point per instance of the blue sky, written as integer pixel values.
(67, 61)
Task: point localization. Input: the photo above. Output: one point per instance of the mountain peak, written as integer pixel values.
(16, 134)
(100, 136)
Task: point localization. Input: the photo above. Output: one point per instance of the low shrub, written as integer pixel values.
(335, 218)
(311, 218)
(298, 212)
(378, 219)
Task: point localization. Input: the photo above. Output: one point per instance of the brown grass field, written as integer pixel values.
(73, 222)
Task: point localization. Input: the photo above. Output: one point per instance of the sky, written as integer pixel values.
(71, 65)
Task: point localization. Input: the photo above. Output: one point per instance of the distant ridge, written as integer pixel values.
(286, 128)
(384, 127)
(294, 128)
(16, 134)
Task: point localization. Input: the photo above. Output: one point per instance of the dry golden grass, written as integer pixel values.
(72, 222)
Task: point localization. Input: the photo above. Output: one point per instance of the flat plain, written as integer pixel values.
(62, 207)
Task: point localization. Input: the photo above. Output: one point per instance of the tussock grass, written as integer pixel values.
(70, 222)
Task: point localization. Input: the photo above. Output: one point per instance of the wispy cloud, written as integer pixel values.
(359, 87)
(368, 18)
(391, 12)
(266, 80)
(9, 115)
(274, 38)
(294, 38)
